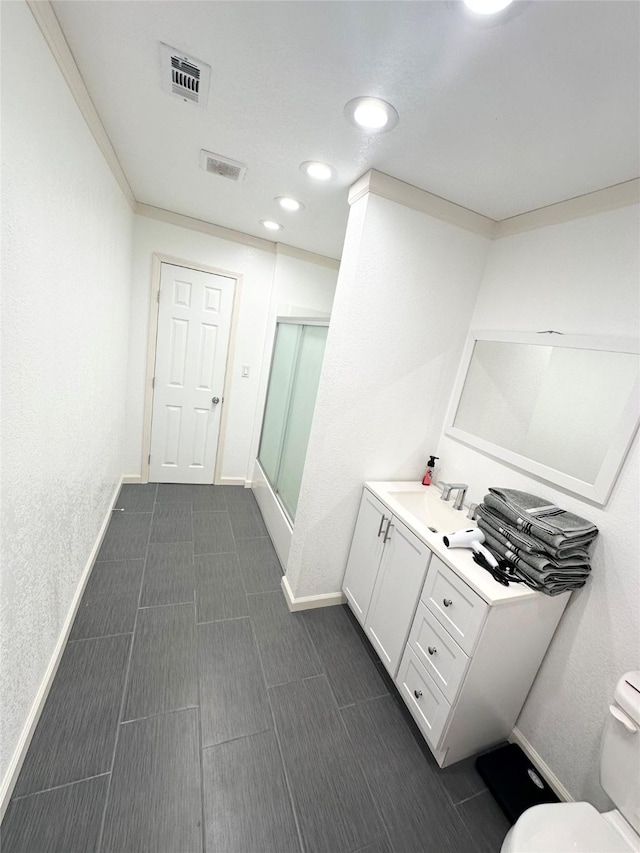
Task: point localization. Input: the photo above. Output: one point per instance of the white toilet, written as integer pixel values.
(566, 827)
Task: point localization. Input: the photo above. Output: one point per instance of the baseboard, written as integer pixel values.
(309, 602)
(234, 481)
(131, 478)
(15, 765)
(550, 777)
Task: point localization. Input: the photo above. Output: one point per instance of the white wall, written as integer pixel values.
(66, 245)
(293, 281)
(406, 290)
(582, 277)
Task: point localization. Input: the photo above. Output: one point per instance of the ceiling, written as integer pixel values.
(499, 117)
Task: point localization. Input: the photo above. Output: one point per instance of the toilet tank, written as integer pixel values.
(620, 751)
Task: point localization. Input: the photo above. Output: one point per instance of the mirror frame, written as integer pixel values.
(599, 491)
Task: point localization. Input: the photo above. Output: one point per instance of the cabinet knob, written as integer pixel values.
(432, 650)
(382, 521)
(447, 602)
(417, 693)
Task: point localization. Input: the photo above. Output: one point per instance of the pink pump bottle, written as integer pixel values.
(428, 474)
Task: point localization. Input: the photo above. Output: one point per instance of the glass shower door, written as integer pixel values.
(291, 396)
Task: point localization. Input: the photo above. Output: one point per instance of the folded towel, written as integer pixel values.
(538, 559)
(541, 564)
(538, 517)
(549, 579)
(578, 547)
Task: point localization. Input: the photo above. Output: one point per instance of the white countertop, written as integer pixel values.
(460, 560)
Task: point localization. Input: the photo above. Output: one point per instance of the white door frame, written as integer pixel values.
(158, 260)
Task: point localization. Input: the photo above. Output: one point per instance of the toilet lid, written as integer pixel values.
(563, 828)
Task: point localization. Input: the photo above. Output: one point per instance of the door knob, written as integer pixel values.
(215, 400)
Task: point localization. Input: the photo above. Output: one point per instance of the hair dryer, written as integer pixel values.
(472, 538)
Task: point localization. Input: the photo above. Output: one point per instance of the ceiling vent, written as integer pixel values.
(222, 166)
(184, 76)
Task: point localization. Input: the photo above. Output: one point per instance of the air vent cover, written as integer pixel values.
(184, 76)
(223, 166)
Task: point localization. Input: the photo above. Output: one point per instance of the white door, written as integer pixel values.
(194, 320)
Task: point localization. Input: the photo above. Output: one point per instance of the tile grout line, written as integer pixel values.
(125, 687)
(100, 637)
(196, 650)
(171, 604)
(225, 619)
(159, 714)
(287, 781)
(367, 785)
(472, 797)
(57, 787)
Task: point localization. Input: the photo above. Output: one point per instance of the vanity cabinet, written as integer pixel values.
(463, 650)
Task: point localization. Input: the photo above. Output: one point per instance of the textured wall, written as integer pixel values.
(406, 290)
(66, 249)
(581, 277)
(257, 269)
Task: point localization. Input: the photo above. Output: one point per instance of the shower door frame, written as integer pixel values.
(294, 321)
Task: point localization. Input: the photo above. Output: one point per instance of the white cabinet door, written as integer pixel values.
(365, 553)
(396, 593)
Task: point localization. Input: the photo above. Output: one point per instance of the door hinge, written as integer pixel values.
(153, 382)
(149, 460)
(158, 297)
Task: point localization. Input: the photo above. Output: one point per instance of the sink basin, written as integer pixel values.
(428, 509)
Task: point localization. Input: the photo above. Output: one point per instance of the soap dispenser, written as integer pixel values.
(428, 474)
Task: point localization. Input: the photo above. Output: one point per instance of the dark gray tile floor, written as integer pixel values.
(192, 712)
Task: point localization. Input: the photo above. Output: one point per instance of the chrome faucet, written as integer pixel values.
(447, 488)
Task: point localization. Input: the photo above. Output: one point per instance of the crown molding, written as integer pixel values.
(203, 227)
(309, 257)
(393, 189)
(600, 201)
(45, 17)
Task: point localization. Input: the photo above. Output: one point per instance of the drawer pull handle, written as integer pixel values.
(432, 650)
(447, 602)
(382, 521)
(417, 693)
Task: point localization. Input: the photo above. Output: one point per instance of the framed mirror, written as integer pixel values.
(562, 407)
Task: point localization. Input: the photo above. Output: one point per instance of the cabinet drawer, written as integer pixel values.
(442, 658)
(455, 604)
(428, 706)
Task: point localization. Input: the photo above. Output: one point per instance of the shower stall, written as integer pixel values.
(296, 363)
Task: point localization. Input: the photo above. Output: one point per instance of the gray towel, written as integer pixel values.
(537, 559)
(542, 564)
(578, 547)
(538, 517)
(550, 581)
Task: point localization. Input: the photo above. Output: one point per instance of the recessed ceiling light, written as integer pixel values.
(318, 171)
(371, 114)
(289, 204)
(270, 225)
(487, 7)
